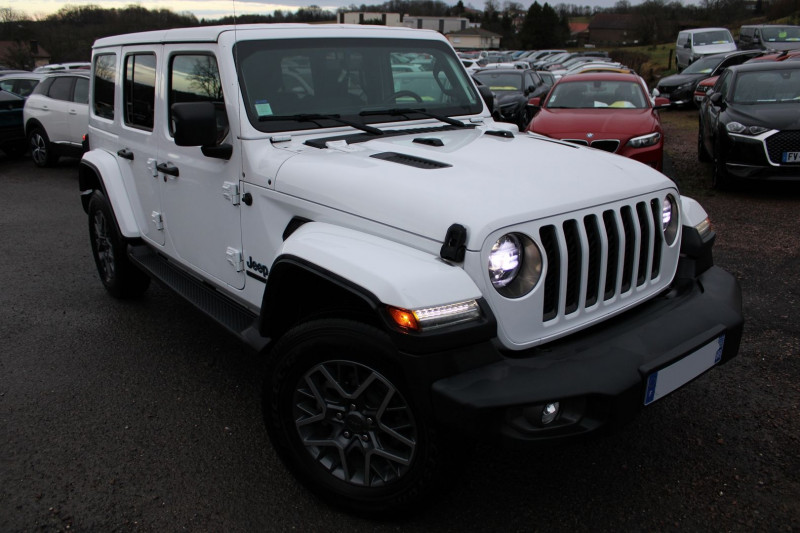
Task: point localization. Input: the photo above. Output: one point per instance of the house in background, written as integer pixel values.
(23, 55)
(443, 25)
(474, 39)
(382, 19)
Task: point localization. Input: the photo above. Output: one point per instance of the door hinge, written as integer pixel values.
(230, 191)
(157, 220)
(234, 257)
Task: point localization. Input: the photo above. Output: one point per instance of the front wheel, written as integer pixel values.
(119, 276)
(343, 421)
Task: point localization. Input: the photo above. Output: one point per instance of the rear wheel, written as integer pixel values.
(342, 419)
(41, 148)
(119, 276)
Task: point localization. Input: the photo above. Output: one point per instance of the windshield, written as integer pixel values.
(703, 66)
(347, 77)
(704, 38)
(782, 34)
(766, 87)
(597, 94)
(501, 81)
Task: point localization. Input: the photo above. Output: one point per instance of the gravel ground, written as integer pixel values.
(143, 416)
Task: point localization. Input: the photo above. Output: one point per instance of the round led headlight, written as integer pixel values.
(670, 219)
(515, 265)
(505, 260)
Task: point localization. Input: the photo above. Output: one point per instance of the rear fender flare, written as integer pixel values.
(99, 170)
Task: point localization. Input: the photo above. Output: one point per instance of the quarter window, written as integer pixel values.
(139, 90)
(105, 74)
(81, 95)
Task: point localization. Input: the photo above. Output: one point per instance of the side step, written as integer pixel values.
(229, 314)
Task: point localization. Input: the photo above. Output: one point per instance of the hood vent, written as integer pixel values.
(410, 160)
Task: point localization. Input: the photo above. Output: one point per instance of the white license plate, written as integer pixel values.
(681, 372)
(791, 157)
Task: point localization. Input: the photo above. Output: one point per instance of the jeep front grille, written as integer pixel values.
(600, 256)
(597, 262)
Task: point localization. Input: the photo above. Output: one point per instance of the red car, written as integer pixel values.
(609, 111)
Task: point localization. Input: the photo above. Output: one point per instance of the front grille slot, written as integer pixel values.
(597, 258)
(607, 145)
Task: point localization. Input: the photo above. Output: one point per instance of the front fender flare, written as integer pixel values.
(395, 274)
(109, 180)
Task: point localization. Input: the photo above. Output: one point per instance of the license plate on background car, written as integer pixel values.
(681, 372)
(791, 157)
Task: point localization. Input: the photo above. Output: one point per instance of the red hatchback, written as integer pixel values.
(608, 111)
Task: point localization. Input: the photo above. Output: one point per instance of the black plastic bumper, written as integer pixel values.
(599, 376)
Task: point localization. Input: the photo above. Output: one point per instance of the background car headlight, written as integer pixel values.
(515, 265)
(645, 140)
(685, 87)
(738, 127)
(670, 219)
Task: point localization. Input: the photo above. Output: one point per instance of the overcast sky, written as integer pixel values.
(219, 8)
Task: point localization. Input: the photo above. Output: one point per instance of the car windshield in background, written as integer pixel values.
(597, 94)
(285, 79)
(705, 65)
(767, 87)
(704, 38)
(788, 34)
(497, 81)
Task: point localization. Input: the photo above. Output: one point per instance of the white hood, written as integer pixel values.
(489, 182)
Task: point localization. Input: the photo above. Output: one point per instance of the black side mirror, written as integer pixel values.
(195, 124)
(487, 95)
(716, 99)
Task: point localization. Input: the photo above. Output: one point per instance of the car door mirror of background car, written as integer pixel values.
(535, 102)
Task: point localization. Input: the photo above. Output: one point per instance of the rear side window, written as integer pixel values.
(81, 94)
(105, 75)
(61, 89)
(195, 78)
(139, 90)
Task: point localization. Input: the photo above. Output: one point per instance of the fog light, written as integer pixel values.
(550, 412)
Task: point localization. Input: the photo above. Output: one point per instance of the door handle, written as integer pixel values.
(125, 154)
(168, 169)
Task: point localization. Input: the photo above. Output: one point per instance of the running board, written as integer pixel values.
(230, 315)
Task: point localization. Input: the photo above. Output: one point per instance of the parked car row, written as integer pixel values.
(45, 112)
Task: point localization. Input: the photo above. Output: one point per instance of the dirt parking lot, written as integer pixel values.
(143, 416)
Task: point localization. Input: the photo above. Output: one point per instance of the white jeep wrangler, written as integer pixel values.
(419, 275)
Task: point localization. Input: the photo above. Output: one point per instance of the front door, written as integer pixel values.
(200, 194)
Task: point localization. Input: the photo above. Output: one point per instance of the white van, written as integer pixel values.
(694, 44)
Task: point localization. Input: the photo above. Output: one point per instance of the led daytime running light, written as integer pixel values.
(446, 315)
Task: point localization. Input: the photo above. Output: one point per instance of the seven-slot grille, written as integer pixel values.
(599, 256)
(783, 141)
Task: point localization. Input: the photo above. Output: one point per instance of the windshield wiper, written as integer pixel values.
(402, 111)
(312, 117)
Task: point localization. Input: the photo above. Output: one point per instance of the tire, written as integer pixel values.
(719, 176)
(341, 419)
(41, 148)
(119, 276)
(702, 153)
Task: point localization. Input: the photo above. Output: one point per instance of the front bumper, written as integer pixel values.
(599, 377)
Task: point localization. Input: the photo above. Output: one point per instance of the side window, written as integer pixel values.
(195, 78)
(139, 90)
(105, 75)
(81, 94)
(61, 89)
